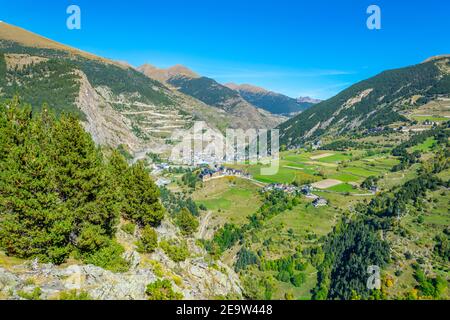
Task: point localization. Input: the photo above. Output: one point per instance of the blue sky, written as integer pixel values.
(296, 47)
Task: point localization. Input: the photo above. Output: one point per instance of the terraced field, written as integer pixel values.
(313, 167)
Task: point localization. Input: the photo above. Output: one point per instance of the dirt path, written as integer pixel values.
(203, 228)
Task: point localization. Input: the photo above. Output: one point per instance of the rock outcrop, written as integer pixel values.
(196, 278)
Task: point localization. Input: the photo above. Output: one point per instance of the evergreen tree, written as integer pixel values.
(187, 222)
(149, 240)
(34, 224)
(142, 203)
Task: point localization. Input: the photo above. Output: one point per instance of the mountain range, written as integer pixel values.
(384, 100)
(215, 94)
(228, 96)
(142, 108)
(271, 101)
(118, 104)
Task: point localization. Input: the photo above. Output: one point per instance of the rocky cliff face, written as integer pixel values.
(106, 125)
(195, 278)
(200, 281)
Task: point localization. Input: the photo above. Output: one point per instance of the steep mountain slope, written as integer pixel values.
(118, 104)
(214, 94)
(270, 101)
(379, 101)
(29, 39)
(163, 75)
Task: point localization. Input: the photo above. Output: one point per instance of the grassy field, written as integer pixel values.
(429, 118)
(345, 177)
(286, 173)
(392, 179)
(360, 171)
(424, 147)
(300, 293)
(290, 232)
(309, 167)
(230, 199)
(336, 158)
(344, 188)
(304, 220)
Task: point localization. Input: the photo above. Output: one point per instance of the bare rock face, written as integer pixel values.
(106, 125)
(196, 278)
(52, 281)
(197, 281)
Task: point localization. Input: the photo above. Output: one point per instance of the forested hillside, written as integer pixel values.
(214, 94)
(206, 90)
(271, 101)
(376, 102)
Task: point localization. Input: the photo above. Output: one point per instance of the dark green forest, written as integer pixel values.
(392, 86)
(60, 196)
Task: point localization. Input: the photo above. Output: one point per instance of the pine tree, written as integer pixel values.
(141, 194)
(33, 224)
(187, 222)
(84, 183)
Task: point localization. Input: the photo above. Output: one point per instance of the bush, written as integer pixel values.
(298, 279)
(74, 295)
(284, 276)
(162, 290)
(34, 295)
(429, 287)
(187, 222)
(176, 251)
(108, 257)
(129, 228)
(149, 240)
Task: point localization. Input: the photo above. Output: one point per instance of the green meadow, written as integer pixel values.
(429, 118)
(344, 188)
(231, 200)
(309, 167)
(425, 146)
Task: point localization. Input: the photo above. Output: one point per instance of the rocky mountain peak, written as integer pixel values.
(163, 75)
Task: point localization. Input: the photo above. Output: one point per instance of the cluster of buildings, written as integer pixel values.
(162, 182)
(220, 172)
(306, 190)
(282, 187)
(157, 167)
(316, 145)
(375, 130)
(320, 202)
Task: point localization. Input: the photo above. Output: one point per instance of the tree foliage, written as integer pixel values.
(187, 222)
(59, 195)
